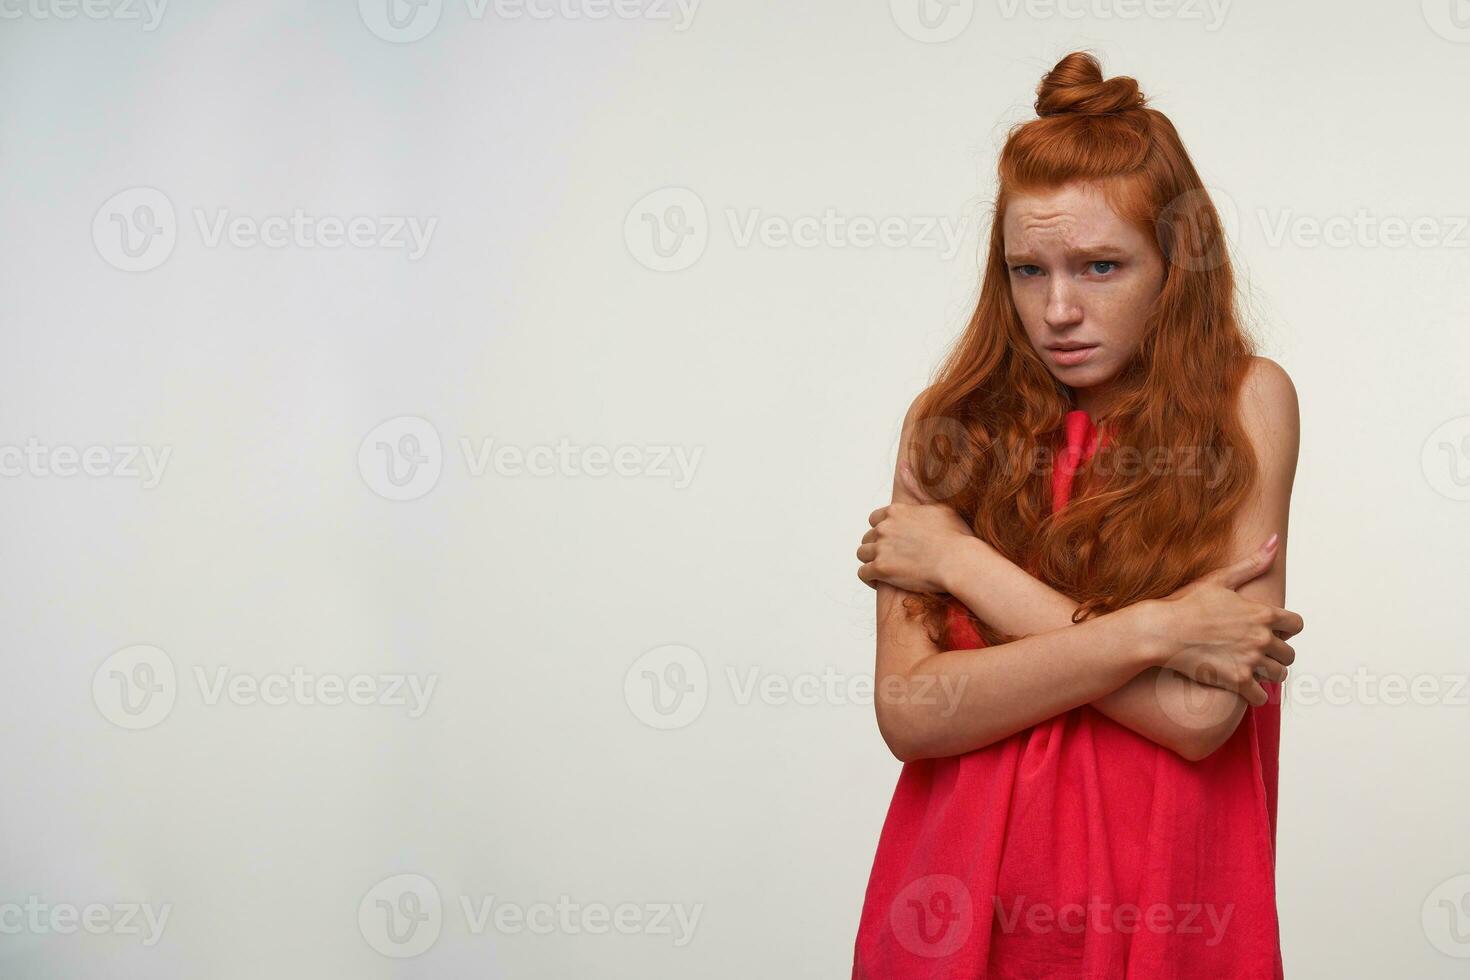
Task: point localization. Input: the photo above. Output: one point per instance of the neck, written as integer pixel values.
(1092, 401)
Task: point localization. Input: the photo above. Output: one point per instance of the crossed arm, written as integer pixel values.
(1165, 707)
(1114, 662)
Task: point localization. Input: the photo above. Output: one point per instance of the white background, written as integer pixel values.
(534, 317)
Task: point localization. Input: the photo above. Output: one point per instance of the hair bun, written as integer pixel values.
(1075, 85)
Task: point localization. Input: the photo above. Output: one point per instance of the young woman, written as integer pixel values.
(1080, 581)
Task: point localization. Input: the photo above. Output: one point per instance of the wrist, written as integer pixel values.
(1153, 637)
(961, 563)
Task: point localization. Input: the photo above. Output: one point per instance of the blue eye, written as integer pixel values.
(1021, 270)
(1103, 272)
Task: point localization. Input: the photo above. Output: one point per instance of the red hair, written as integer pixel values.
(983, 428)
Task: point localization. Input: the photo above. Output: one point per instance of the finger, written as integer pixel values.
(1271, 670)
(1284, 621)
(867, 552)
(877, 515)
(1249, 689)
(1236, 574)
(1281, 652)
(911, 483)
(872, 535)
(865, 572)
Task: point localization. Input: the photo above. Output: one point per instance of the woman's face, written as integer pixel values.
(1082, 279)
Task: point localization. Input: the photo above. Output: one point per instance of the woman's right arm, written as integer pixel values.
(933, 703)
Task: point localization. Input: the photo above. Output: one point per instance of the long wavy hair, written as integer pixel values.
(1155, 511)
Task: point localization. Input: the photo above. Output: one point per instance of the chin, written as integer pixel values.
(1083, 375)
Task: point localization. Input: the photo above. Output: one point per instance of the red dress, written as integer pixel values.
(1077, 849)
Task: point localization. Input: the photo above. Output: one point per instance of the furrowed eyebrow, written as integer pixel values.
(1100, 249)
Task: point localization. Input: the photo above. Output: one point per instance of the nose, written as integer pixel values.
(1062, 308)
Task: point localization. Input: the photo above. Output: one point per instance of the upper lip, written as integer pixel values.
(1068, 345)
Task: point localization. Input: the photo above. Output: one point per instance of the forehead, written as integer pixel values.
(1073, 215)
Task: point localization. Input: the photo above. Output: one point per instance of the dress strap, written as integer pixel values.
(1081, 443)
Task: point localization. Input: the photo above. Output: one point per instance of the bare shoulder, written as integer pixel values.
(915, 406)
(1268, 384)
(1271, 417)
(901, 493)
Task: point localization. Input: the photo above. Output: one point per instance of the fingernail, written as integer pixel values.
(1270, 541)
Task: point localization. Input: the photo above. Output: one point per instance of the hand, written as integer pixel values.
(1220, 638)
(913, 545)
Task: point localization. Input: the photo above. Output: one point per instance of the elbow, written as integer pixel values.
(1202, 744)
(1194, 749)
(896, 736)
(1211, 725)
(902, 734)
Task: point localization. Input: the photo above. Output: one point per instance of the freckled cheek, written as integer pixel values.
(1119, 317)
(1031, 307)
